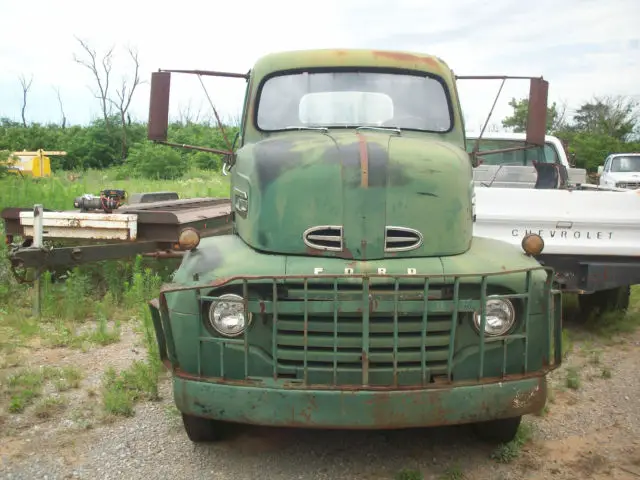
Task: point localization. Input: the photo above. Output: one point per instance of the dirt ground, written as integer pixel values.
(589, 430)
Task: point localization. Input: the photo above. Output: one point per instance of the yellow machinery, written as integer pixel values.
(34, 164)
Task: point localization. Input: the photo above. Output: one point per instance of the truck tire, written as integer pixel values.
(613, 299)
(502, 430)
(201, 430)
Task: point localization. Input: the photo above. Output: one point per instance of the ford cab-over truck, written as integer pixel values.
(341, 284)
(351, 292)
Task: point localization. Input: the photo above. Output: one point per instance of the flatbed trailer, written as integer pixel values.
(153, 228)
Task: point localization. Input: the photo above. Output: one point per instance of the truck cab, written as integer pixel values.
(351, 292)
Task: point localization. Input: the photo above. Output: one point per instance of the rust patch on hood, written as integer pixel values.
(407, 57)
(364, 161)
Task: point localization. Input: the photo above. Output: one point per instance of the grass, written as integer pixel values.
(604, 327)
(122, 390)
(409, 474)
(58, 191)
(26, 385)
(573, 378)
(508, 452)
(49, 407)
(454, 472)
(84, 307)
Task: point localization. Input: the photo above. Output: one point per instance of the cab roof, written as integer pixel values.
(294, 59)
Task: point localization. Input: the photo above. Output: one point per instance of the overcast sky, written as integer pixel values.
(583, 47)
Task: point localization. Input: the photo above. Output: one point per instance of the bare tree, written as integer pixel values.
(560, 119)
(64, 118)
(186, 116)
(25, 89)
(125, 95)
(103, 82)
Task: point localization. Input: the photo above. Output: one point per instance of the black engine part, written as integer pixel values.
(107, 201)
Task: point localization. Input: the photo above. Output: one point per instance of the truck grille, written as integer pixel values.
(324, 237)
(400, 239)
(359, 331)
(631, 185)
(340, 346)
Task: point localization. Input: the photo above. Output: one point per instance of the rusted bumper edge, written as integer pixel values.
(335, 409)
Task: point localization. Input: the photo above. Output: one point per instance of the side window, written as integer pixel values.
(551, 153)
(607, 164)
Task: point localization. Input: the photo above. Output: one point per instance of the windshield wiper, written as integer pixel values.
(384, 129)
(322, 129)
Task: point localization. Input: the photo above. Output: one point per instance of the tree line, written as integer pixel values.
(597, 128)
(114, 139)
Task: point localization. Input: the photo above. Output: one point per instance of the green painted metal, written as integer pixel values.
(360, 409)
(314, 330)
(413, 177)
(332, 59)
(362, 337)
(297, 180)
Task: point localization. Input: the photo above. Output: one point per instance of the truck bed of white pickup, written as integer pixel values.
(571, 222)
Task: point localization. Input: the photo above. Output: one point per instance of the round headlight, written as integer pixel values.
(500, 317)
(227, 315)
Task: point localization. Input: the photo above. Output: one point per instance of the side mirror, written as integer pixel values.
(600, 169)
(158, 126)
(537, 115)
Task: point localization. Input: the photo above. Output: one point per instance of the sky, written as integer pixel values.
(582, 47)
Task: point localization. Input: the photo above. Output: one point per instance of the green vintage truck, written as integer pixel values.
(349, 291)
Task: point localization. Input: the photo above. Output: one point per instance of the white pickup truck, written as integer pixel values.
(620, 170)
(515, 169)
(591, 233)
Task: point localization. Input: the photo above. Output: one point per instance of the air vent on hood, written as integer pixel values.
(324, 237)
(401, 239)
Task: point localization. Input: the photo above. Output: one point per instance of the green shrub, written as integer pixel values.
(156, 161)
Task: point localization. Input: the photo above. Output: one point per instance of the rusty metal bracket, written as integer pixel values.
(159, 108)
(209, 73)
(33, 257)
(536, 120)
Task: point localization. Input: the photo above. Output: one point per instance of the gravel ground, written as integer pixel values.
(589, 432)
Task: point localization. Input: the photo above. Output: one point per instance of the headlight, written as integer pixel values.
(500, 317)
(227, 315)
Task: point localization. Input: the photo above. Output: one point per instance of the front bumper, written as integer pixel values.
(360, 409)
(353, 352)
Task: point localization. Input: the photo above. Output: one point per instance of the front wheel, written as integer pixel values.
(200, 430)
(497, 431)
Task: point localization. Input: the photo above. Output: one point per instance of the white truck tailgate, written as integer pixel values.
(570, 222)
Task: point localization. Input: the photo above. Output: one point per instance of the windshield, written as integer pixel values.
(518, 157)
(354, 99)
(626, 164)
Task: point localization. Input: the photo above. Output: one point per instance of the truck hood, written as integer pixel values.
(357, 195)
